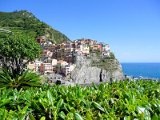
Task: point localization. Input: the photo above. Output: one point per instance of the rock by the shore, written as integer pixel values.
(103, 70)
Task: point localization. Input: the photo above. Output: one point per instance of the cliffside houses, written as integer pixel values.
(34, 65)
(46, 68)
(60, 58)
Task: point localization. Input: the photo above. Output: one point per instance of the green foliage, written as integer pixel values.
(112, 56)
(24, 22)
(98, 53)
(19, 46)
(16, 51)
(126, 100)
(27, 79)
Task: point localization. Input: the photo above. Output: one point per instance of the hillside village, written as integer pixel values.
(59, 60)
(62, 59)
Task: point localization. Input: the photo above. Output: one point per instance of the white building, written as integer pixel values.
(62, 63)
(106, 47)
(54, 62)
(37, 65)
(68, 69)
(84, 48)
(106, 53)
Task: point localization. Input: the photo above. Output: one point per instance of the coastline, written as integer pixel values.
(142, 70)
(141, 78)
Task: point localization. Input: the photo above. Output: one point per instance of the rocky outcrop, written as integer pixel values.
(96, 70)
(86, 75)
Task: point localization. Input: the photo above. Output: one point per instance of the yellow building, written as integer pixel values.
(31, 66)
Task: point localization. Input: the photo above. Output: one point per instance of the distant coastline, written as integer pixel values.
(142, 70)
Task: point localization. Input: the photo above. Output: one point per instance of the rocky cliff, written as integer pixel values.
(96, 68)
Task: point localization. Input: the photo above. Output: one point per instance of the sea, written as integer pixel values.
(142, 70)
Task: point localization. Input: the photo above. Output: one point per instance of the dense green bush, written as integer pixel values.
(26, 79)
(16, 52)
(126, 100)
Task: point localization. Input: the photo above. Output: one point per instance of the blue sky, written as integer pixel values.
(131, 27)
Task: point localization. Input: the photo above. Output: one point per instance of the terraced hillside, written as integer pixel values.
(24, 22)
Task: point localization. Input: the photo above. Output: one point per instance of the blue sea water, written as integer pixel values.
(147, 70)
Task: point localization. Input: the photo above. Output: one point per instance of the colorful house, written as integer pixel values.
(46, 68)
(84, 48)
(106, 47)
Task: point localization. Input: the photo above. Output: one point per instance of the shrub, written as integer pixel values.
(124, 100)
(27, 79)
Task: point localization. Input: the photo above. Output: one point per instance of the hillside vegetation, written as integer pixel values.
(123, 100)
(24, 22)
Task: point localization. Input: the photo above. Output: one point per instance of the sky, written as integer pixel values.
(130, 27)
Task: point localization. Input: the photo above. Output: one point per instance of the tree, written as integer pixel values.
(16, 52)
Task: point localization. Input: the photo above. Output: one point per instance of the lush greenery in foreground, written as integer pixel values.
(121, 100)
(15, 53)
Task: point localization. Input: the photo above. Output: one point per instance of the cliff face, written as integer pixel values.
(96, 68)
